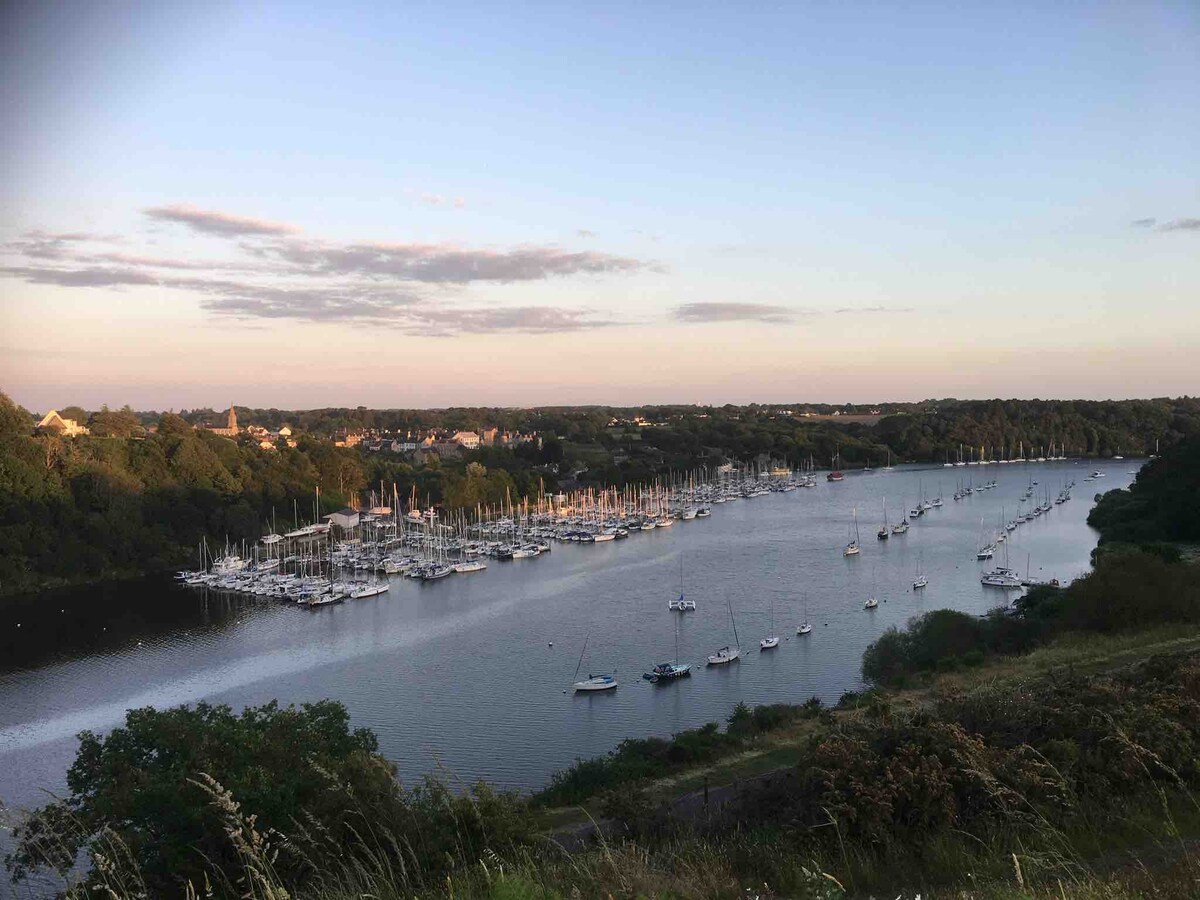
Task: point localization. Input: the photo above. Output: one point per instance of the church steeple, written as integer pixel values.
(233, 426)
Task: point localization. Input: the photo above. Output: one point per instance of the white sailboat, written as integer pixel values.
(852, 547)
(726, 655)
(921, 580)
(771, 641)
(804, 627)
(592, 682)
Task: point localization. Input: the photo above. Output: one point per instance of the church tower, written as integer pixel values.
(233, 426)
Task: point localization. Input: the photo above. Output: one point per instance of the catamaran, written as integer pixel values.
(682, 604)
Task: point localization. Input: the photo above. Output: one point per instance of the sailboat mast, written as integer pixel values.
(580, 663)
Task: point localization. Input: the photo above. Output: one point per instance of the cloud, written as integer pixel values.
(732, 312)
(278, 275)
(528, 319)
(443, 264)
(307, 304)
(53, 245)
(1181, 225)
(217, 223)
(433, 199)
(353, 304)
(585, 233)
(874, 309)
(157, 262)
(90, 277)
(1143, 223)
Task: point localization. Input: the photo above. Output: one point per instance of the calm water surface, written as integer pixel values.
(467, 674)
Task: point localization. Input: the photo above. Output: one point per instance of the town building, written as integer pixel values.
(231, 429)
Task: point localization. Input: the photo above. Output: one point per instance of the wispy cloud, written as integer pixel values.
(528, 319)
(873, 309)
(442, 264)
(54, 245)
(732, 312)
(279, 275)
(89, 277)
(222, 224)
(1143, 223)
(441, 200)
(585, 233)
(1181, 225)
(361, 304)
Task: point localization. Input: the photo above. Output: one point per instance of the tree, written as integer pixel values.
(143, 785)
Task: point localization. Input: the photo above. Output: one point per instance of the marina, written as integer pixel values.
(399, 657)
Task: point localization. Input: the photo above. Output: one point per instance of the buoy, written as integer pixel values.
(552, 643)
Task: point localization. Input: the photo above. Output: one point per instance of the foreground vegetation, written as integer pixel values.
(1042, 784)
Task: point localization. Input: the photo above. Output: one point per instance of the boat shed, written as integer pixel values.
(345, 518)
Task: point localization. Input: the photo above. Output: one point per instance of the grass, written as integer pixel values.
(777, 750)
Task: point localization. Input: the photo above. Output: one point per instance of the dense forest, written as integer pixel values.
(143, 489)
(1162, 504)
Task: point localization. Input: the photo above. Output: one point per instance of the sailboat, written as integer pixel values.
(804, 627)
(986, 548)
(888, 467)
(728, 654)
(921, 580)
(871, 601)
(771, 641)
(883, 534)
(592, 682)
(669, 671)
(852, 547)
(835, 473)
(682, 604)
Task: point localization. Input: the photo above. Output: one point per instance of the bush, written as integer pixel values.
(167, 784)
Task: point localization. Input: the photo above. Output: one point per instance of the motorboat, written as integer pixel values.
(667, 672)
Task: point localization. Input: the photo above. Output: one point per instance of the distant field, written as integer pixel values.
(844, 419)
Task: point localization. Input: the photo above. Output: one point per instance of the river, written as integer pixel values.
(466, 675)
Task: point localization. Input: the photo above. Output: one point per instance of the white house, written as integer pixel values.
(52, 421)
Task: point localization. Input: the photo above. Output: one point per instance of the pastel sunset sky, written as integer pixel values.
(429, 204)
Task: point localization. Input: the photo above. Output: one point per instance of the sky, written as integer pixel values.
(428, 204)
